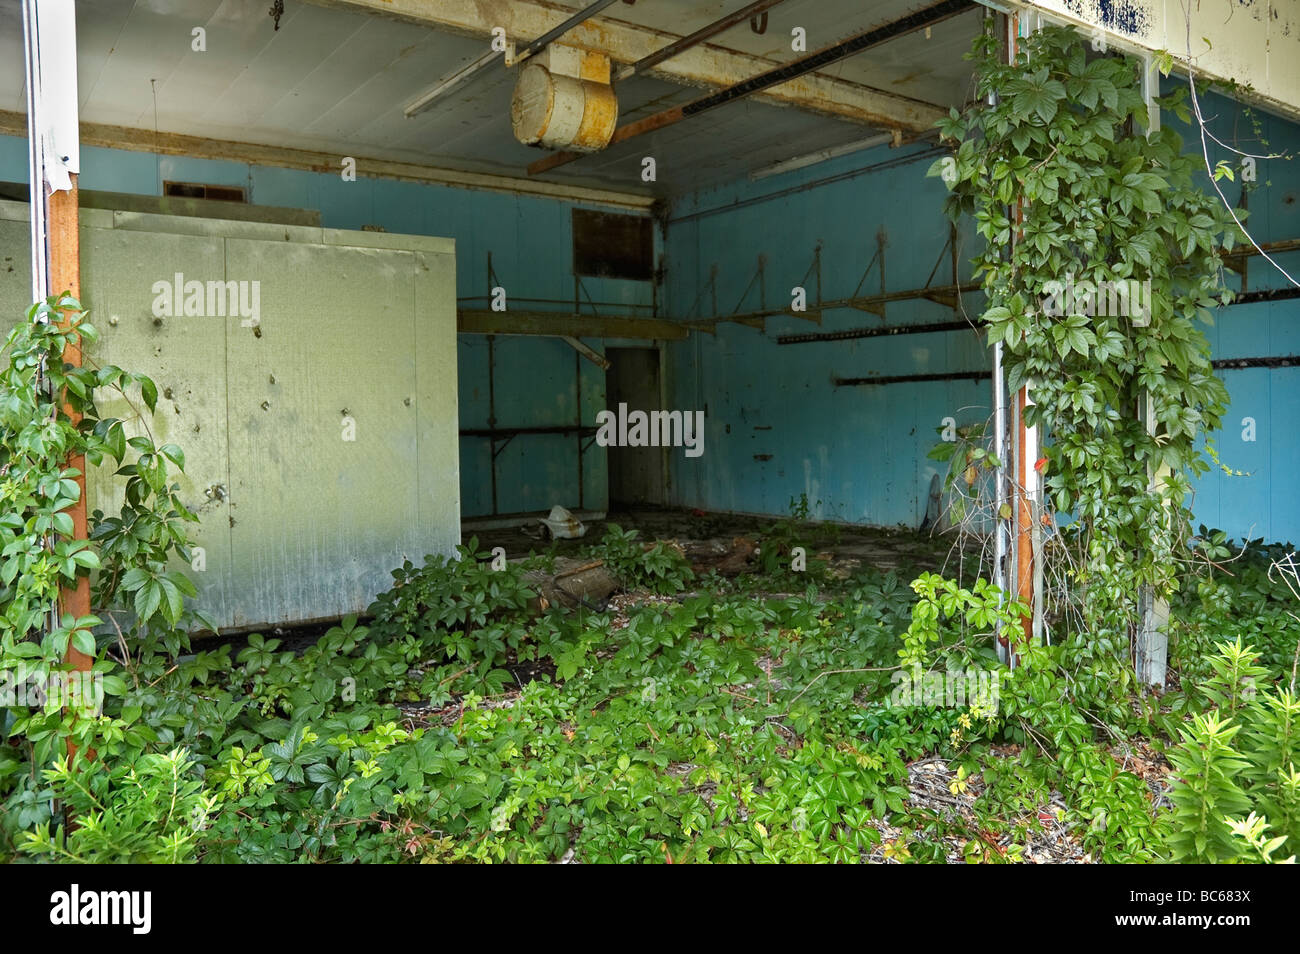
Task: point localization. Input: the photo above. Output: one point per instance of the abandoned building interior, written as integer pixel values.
(441, 311)
(561, 431)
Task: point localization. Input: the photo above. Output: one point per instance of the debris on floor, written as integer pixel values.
(562, 525)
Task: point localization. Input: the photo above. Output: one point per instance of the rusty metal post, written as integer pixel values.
(65, 276)
(1025, 490)
(50, 44)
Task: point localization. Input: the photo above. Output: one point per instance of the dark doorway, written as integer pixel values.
(636, 474)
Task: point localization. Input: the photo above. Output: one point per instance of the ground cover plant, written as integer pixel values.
(754, 722)
(797, 711)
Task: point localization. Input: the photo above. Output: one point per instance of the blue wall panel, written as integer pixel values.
(1264, 503)
(530, 240)
(777, 428)
(861, 451)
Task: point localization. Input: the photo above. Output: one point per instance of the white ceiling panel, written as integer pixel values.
(335, 80)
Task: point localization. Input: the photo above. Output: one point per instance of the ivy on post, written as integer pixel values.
(54, 159)
(1098, 304)
(65, 273)
(1151, 650)
(1027, 486)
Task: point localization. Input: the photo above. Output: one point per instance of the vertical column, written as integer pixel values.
(1019, 542)
(1150, 656)
(50, 45)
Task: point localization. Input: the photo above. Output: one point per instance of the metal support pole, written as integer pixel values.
(1000, 496)
(1028, 477)
(1024, 532)
(492, 415)
(577, 396)
(54, 153)
(1152, 642)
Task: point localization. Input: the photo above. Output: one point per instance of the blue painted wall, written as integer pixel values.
(859, 453)
(777, 428)
(1265, 503)
(530, 240)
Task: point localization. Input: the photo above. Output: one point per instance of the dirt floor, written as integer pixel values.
(885, 549)
(845, 548)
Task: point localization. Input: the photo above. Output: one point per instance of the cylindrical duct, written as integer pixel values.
(562, 112)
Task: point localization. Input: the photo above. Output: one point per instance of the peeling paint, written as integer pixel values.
(1129, 17)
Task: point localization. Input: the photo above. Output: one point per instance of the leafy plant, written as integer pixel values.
(1242, 755)
(658, 567)
(49, 418)
(448, 601)
(1206, 793)
(152, 811)
(1058, 168)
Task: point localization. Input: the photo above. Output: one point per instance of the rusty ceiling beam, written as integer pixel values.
(285, 157)
(826, 56)
(555, 33)
(702, 65)
(720, 25)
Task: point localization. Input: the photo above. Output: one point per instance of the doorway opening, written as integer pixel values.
(636, 474)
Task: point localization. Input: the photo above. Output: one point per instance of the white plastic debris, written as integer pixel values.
(564, 525)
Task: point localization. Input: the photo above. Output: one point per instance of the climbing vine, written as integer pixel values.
(1101, 255)
(48, 417)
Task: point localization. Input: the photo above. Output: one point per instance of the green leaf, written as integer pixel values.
(149, 393)
(84, 641)
(174, 454)
(147, 600)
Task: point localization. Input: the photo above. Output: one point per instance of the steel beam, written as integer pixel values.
(827, 56)
(699, 36)
(703, 65)
(178, 144)
(582, 16)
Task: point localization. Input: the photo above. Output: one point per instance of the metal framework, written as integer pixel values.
(826, 56)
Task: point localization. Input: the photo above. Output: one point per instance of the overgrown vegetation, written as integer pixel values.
(657, 566)
(705, 728)
(787, 714)
(1114, 264)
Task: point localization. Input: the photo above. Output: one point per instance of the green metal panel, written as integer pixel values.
(437, 469)
(15, 264)
(186, 357)
(321, 444)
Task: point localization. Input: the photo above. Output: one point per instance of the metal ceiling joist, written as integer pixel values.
(720, 25)
(176, 144)
(582, 16)
(703, 65)
(773, 77)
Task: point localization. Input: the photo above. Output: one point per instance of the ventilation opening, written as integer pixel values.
(612, 245)
(199, 190)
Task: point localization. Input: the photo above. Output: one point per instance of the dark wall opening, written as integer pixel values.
(636, 474)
